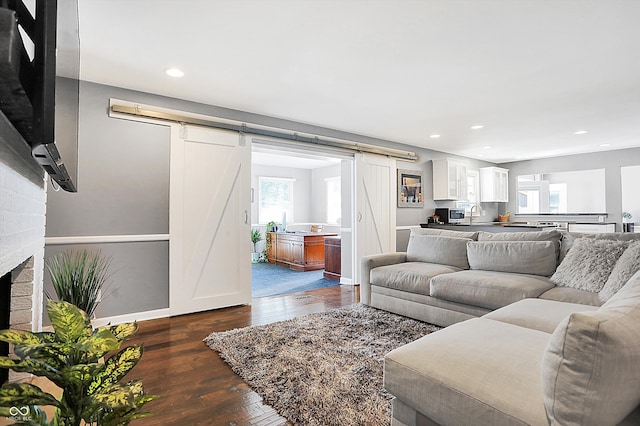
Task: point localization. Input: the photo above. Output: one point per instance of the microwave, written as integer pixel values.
(448, 215)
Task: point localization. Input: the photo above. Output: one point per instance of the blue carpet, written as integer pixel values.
(270, 280)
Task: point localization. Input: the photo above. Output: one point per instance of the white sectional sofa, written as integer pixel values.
(537, 331)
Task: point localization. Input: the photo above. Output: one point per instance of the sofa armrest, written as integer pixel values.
(367, 263)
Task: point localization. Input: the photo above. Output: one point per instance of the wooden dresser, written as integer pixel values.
(298, 251)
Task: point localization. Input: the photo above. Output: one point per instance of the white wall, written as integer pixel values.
(301, 191)
(319, 191)
(630, 199)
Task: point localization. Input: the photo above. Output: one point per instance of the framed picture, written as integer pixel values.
(410, 188)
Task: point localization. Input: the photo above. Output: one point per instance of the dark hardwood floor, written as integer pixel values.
(197, 387)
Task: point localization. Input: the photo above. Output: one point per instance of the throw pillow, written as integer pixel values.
(444, 233)
(546, 235)
(520, 257)
(626, 266)
(590, 374)
(588, 264)
(437, 249)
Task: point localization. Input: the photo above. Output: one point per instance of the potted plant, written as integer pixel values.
(79, 278)
(271, 226)
(256, 237)
(69, 357)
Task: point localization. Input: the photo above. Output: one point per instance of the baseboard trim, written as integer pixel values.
(346, 281)
(137, 316)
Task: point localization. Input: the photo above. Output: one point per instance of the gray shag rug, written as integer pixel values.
(323, 368)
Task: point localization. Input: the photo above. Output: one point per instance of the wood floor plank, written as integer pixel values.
(199, 388)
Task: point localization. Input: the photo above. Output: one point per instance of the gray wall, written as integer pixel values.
(123, 187)
(611, 161)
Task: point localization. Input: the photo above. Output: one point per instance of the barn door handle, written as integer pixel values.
(246, 217)
(359, 216)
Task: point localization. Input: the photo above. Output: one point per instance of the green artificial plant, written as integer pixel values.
(79, 277)
(256, 237)
(71, 357)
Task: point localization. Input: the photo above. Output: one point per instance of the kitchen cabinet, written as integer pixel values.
(592, 228)
(494, 184)
(298, 251)
(449, 179)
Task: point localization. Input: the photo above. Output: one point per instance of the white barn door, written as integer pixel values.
(209, 223)
(376, 207)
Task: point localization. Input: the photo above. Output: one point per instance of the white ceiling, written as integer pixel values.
(532, 72)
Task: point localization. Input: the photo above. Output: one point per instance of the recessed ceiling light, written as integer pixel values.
(174, 72)
(486, 147)
(580, 132)
(477, 127)
(434, 136)
(605, 144)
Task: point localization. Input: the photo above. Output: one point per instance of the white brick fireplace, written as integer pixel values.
(22, 225)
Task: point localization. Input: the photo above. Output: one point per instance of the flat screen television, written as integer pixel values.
(39, 85)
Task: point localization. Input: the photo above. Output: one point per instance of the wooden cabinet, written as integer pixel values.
(494, 184)
(271, 246)
(449, 179)
(332, 258)
(301, 252)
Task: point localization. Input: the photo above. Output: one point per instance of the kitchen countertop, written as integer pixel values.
(491, 226)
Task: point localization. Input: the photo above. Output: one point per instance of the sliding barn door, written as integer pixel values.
(375, 207)
(209, 220)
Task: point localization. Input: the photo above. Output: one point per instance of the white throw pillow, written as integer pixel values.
(589, 263)
(626, 266)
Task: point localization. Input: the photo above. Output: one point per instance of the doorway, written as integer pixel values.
(305, 193)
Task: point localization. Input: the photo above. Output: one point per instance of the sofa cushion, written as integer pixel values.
(626, 266)
(520, 257)
(444, 233)
(537, 314)
(487, 289)
(478, 372)
(590, 373)
(572, 295)
(413, 277)
(589, 263)
(438, 249)
(546, 235)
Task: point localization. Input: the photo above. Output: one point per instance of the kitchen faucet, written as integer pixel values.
(471, 214)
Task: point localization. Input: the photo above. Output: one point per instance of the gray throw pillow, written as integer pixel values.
(589, 263)
(444, 233)
(626, 266)
(438, 249)
(520, 257)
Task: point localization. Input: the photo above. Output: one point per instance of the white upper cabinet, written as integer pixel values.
(449, 179)
(494, 185)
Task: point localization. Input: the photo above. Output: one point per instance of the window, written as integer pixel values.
(473, 194)
(275, 199)
(333, 200)
(558, 198)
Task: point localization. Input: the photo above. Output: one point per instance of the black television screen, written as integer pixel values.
(42, 99)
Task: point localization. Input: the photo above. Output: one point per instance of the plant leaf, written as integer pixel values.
(69, 322)
(20, 394)
(115, 368)
(80, 374)
(33, 366)
(97, 344)
(20, 337)
(123, 331)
